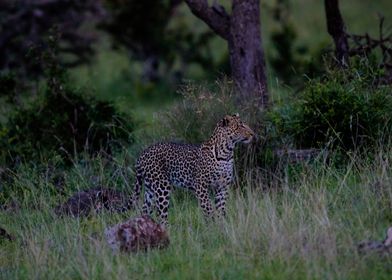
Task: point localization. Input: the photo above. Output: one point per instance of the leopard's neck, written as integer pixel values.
(221, 146)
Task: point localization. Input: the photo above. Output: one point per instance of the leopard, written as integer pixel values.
(203, 168)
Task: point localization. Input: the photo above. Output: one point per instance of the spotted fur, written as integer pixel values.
(194, 167)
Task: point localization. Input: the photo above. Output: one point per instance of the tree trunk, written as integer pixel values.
(246, 51)
(242, 32)
(337, 30)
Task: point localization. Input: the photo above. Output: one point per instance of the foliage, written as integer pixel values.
(157, 33)
(346, 107)
(8, 85)
(139, 25)
(25, 25)
(62, 121)
(194, 118)
(381, 48)
(66, 124)
(288, 57)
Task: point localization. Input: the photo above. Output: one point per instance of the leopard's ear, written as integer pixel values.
(225, 121)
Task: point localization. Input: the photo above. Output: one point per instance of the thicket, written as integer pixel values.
(61, 121)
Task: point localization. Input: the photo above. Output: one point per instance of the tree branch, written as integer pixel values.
(215, 17)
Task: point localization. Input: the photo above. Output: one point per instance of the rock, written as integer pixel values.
(84, 202)
(382, 248)
(137, 234)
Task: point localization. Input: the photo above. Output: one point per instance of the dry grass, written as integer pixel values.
(305, 227)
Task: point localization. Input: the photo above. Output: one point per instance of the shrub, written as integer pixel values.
(347, 107)
(63, 121)
(65, 124)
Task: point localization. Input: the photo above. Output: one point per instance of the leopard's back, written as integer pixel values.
(179, 163)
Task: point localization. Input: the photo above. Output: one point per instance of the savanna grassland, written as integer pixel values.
(306, 226)
(284, 221)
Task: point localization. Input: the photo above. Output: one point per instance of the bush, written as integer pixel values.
(66, 124)
(347, 107)
(63, 121)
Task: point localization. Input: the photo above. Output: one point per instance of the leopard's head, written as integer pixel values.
(235, 129)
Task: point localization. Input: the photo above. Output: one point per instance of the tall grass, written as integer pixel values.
(305, 226)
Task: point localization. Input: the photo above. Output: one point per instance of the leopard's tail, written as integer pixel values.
(137, 188)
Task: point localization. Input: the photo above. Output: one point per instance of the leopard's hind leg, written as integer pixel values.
(157, 190)
(134, 201)
(148, 197)
(162, 190)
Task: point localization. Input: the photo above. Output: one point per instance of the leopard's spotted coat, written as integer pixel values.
(195, 167)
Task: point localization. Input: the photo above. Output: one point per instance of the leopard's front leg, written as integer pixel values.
(203, 198)
(221, 196)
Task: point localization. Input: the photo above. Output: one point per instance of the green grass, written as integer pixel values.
(305, 226)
